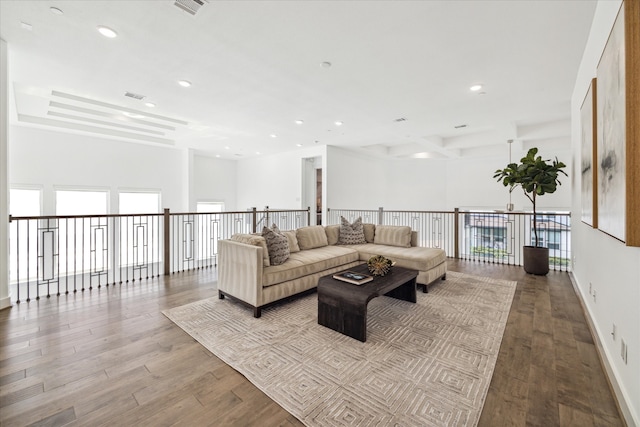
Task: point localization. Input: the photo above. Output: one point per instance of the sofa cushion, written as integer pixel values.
(254, 240)
(309, 261)
(416, 258)
(369, 232)
(333, 234)
(393, 235)
(311, 237)
(293, 240)
(277, 244)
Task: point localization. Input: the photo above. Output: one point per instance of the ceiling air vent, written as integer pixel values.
(460, 126)
(401, 119)
(190, 6)
(134, 95)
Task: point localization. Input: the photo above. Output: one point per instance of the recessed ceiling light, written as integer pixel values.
(475, 88)
(184, 83)
(298, 145)
(299, 122)
(257, 152)
(217, 155)
(338, 123)
(107, 32)
(26, 26)
(227, 148)
(273, 135)
(150, 104)
(133, 115)
(56, 11)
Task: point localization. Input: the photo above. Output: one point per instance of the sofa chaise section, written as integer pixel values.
(431, 263)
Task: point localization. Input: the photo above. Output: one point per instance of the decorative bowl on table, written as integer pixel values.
(379, 265)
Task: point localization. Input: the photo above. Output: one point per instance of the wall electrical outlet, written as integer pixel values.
(594, 295)
(623, 350)
(590, 289)
(613, 332)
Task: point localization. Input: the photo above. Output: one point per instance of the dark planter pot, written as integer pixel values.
(536, 260)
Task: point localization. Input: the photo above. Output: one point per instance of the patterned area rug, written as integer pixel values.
(423, 364)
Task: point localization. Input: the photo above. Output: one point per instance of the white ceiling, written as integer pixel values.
(256, 68)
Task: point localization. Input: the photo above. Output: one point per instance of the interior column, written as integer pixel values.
(5, 297)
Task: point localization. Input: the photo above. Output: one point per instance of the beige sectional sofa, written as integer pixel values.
(245, 273)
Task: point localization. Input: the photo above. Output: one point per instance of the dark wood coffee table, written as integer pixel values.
(343, 306)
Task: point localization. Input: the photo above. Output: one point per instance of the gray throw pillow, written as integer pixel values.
(351, 234)
(277, 243)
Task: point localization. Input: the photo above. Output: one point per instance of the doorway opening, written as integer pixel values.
(319, 196)
(312, 188)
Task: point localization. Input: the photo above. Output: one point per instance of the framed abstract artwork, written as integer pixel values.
(589, 158)
(618, 129)
(632, 42)
(611, 134)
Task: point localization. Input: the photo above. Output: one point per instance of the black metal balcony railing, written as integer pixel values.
(62, 254)
(496, 237)
(55, 255)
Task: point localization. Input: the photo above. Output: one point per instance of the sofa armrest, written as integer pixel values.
(240, 271)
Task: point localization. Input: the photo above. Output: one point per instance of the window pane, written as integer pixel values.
(554, 236)
(23, 233)
(24, 202)
(139, 203)
(76, 202)
(210, 207)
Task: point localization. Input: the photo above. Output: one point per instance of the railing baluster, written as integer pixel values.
(38, 263)
(28, 260)
(17, 252)
(57, 241)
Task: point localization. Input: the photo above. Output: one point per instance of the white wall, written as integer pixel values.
(611, 268)
(215, 181)
(470, 182)
(356, 181)
(274, 181)
(49, 160)
(360, 182)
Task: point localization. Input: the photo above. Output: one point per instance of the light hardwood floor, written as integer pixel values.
(112, 358)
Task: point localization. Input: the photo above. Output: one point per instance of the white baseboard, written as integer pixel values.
(5, 302)
(621, 402)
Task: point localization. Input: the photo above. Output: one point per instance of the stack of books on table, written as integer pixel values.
(353, 277)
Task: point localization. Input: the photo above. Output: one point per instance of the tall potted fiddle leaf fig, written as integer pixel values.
(536, 177)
